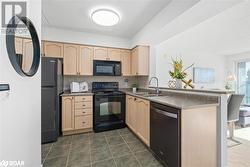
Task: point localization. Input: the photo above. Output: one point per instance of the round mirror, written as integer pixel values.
(23, 46)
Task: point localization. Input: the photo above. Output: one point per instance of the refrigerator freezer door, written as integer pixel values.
(49, 72)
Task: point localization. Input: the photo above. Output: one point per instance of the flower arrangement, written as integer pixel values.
(178, 72)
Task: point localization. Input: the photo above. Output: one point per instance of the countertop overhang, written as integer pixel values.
(182, 102)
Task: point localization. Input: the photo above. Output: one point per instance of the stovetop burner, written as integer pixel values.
(105, 86)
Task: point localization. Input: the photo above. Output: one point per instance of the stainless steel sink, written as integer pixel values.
(148, 94)
(153, 95)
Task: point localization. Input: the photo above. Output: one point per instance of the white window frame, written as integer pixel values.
(237, 72)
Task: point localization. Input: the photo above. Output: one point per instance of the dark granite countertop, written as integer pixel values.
(210, 91)
(68, 93)
(178, 101)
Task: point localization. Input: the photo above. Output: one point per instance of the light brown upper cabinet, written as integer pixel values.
(19, 45)
(71, 56)
(126, 62)
(86, 60)
(27, 54)
(109, 54)
(100, 53)
(53, 49)
(140, 61)
(114, 54)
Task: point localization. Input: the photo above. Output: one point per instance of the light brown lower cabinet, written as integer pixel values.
(77, 114)
(137, 117)
(198, 131)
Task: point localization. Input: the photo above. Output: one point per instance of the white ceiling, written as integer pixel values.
(75, 15)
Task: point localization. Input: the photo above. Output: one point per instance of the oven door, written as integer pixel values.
(109, 110)
(103, 68)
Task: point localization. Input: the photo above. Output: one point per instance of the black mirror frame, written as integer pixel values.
(10, 44)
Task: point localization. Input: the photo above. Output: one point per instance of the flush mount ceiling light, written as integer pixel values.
(105, 17)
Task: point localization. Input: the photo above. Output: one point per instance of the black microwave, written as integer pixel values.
(106, 68)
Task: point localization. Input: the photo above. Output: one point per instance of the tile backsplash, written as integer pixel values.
(124, 82)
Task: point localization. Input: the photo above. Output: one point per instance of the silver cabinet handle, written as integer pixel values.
(166, 113)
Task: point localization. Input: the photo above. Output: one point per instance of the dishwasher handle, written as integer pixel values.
(172, 115)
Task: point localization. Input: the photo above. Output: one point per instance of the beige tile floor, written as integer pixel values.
(121, 148)
(239, 154)
(117, 148)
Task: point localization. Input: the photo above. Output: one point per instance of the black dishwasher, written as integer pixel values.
(165, 133)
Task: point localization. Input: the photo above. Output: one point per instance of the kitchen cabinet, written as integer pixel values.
(179, 136)
(86, 60)
(143, 112)
(140, 61)
(68, 113)
(109, 54)
(53, 49)
(24, 49)
(114, 54)
(100, 53)
(130, 112)
(27, 54)
(71, 58)
(126, 62)
(19, 45)
(78, 60)
(137, 117)
(77, 114)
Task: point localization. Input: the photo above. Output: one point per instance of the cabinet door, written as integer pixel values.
(126, 65)
(134, 65)
(131, 112)
(142, 127)
(86, 60)
(114, 54)
(68, 113)
(19, 45)
(100, 53)
(142, 60)
(27, 54)
(53, 49)
(71, 53)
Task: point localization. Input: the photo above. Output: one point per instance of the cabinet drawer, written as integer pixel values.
(84, 111)
(84, 104)
(83, 98)
(82, 122)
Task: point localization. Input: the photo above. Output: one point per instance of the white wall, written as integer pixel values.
(64, 35)
(20, 128)
(177, 17)
(198, 38)
(207, 43)
(189, 56)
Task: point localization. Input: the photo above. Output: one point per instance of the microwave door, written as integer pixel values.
(104, 69)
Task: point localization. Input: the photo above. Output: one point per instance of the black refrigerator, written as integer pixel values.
(52, 88)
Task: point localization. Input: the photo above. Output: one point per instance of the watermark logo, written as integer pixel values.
(11, 12)
(10, 9)
(4, 163)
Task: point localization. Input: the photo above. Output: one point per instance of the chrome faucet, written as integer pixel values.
(157, 81)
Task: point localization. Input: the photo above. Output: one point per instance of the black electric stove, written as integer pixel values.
(109, 106)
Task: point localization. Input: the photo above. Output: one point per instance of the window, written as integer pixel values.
(243, 80)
